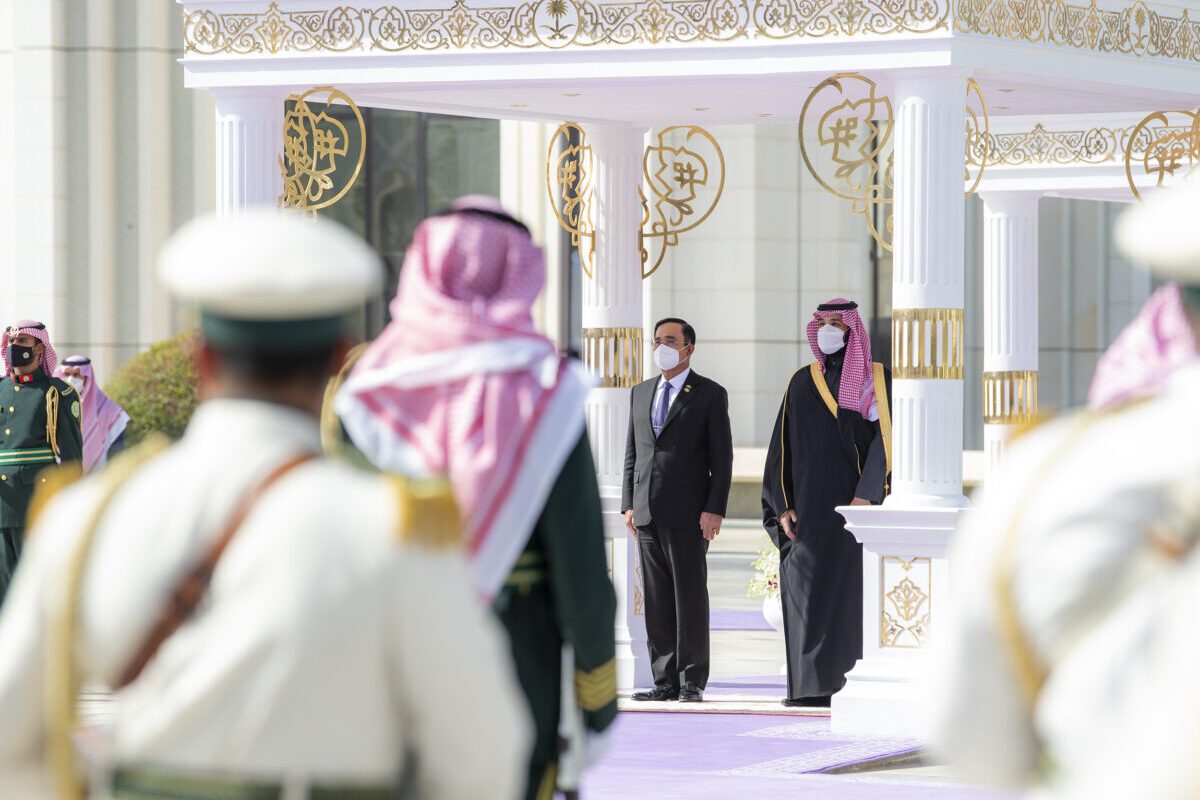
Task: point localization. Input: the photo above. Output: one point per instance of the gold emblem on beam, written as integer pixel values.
(684, 173)
(322, 156)
(1165, 146)
(569, 172)
(854, 136)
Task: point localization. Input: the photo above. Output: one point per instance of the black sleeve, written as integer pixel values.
(70, 426)
(776, 474)
(584, 600)
(874, 472)
(720, 454)
(630, 462)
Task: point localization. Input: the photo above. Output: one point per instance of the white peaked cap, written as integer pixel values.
(270, 265)
(1164, 233)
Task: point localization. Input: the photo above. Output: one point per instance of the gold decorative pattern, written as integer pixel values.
(685, 183)
(595, 689)
(547, 24)
(614, 355)
(1171, 149)
(855, 136)
(927, 343)
(1010, 397)
(905, 603)
(1098, 145)
(318, 151)
(569, 171)
(1135, 30)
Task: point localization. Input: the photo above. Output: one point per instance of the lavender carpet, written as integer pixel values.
(772, 686)
(720, 756)
(728, 619)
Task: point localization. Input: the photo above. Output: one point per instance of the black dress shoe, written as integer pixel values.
(820, 701)
(690, 693)
(658, 694)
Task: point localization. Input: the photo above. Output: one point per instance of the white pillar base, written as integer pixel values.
(906, 586)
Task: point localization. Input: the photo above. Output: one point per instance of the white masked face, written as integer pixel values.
(830, 339)
(667, 358)
(76, 382)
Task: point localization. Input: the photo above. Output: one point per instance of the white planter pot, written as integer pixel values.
(772, 612)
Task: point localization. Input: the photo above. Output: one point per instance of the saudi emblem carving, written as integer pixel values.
(569, 182)
(322, 155)
(1164, 146)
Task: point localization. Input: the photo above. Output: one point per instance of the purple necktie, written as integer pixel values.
(660, 413)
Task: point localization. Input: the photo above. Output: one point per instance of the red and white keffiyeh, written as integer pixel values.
(38, 331)
(856, 392)
(461, 383)
(103, 419)
(1157, 342)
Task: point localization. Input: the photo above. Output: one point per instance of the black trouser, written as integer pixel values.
(675, 577)
(11, 540)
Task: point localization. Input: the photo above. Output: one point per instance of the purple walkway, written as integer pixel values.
(724, 756)
(728, 619)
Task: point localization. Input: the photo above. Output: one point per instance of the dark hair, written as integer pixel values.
(689, 333)
(312, 366)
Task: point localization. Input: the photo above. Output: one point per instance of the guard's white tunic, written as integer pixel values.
(328, 649)
(1096, 596)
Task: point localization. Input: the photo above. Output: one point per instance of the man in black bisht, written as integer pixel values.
(831, 447)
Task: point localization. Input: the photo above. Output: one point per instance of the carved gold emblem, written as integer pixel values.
(322, 157)
(684, 176)
(1164, 146)
(569, 171)
(905, 601)
(853, 135)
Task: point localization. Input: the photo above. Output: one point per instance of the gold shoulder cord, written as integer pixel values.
(885, 418)
(428, 515)
(823, 387)
(63, 679)
(52, 420)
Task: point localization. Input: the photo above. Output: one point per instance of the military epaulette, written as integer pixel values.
(428, 514)
(50, 482)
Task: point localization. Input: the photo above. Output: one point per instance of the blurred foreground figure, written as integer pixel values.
(1071, 661)
(462, 383)
(104, 420)
(41, 427)
(328, 654)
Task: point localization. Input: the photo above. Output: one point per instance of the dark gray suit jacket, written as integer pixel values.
(673, 479)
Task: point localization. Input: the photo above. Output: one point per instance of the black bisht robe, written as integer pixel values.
(820, 457)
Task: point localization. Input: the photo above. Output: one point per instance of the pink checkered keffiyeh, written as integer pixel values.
(461, 383)
(38, 331)
(857, 389)
(1157, 342)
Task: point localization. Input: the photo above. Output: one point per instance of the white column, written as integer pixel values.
(249, 143)
(905, 541)
(613, 349)
(1010, 318)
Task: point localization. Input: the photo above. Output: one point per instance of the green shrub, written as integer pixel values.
(158, 388)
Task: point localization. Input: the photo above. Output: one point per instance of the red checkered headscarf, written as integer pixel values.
(857, 389)
(38, 331)
(1157, 342)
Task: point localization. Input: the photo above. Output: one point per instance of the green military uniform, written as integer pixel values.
(39, 426)
(560, 591)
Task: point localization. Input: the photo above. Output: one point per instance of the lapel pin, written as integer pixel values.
(687, 388)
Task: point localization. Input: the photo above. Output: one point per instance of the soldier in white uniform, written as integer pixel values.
(1070, 662)
(337, 651)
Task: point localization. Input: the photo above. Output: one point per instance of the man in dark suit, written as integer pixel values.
(678, 466)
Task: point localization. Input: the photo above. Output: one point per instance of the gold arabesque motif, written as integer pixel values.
(904, 604)
(685, 184)
(569, 171)
(548, 24)
(1097, 145)
(1135, 30)
(1172, 152)
(854, 134)
(316, 151)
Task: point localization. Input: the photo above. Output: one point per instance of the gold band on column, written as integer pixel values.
(1010, 397)
(927, 343)
(614, 355)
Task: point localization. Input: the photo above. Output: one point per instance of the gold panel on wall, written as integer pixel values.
(927, 343)
(1010, 397)
(614, 356)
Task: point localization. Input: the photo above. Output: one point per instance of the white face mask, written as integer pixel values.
(830, 339)
(76, 382)
(666, 358)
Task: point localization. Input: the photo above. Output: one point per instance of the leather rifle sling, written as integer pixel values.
(191, 588)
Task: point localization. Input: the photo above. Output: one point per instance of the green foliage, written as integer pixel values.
(158, 388)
